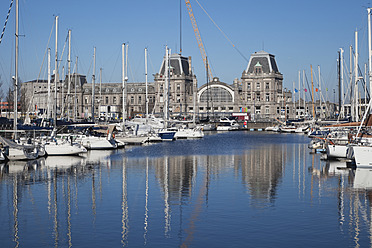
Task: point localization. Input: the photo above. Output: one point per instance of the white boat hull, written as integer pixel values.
(189, 134)
(53, 149)
(363, 156)
(336, 151)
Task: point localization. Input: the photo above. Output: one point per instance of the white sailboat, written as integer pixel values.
(63, 147)
(14, 151)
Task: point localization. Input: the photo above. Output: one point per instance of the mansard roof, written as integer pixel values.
(178, 64)
(263, 59)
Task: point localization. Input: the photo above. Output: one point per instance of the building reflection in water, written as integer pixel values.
(182, 180)
(179, 182)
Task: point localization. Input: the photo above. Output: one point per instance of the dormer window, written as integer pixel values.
(258, 68)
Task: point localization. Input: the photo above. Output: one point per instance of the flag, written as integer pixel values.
(326, 89)
(316, 89)
(296, 90)
(305, 90)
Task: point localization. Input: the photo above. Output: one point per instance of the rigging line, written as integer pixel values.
(149, 59)
(6, 21)
(222, 31)
(46, 50)
(63, 51)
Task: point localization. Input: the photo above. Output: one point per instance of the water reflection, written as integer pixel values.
(108, 198)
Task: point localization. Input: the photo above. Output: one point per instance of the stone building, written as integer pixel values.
(259, 94)
(182, 85)
(262, 87)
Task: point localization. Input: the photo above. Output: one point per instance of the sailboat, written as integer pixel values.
(13, 150)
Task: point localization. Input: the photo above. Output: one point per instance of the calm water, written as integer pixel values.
(235, 189)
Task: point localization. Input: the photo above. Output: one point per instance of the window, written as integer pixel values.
(139, 99)
(267, 86)
(258, 97)
(114, 99)
(216, 94)
(249, 86)
(132, 99)
(106, 101)
(249, 97)
(267, 110)
(258, 85)
(86, 100)
(267, 97)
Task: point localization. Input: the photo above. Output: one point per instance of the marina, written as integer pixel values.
(228, 189)
(192, 156)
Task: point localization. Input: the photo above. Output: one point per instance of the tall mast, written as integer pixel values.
(62, 98)
(312, 90)
(356, 98)
(299, 93)
(16, 74)
(303, 85)
(207, 72)
(166, 85)
(369, 53)
(123, 82)
(294, 99)
(339, 82)
(100, 92)
(147, 98)
(342, 82)
(352, 107)
(320, 93)
(180, 27)
(69, 75)
(93, 81)
(55, 75)
(48, 100)
(75, 98)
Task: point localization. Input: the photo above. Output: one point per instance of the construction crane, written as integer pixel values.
(198, 39)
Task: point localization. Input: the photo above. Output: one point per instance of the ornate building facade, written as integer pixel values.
(258, 94)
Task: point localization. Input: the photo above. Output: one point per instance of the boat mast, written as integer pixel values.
(341, 101)
(356, 98)
(55, 75)
(100, 93)
(294, 99)
(123, 82)
(207, 72)
(16, 74)
(369, 52)
(147, 98)
(320, 94)
(303, 85)
(48, 101)
(299, 93)
(69, 75)
(75, 98)
(312, 90)
(93, 81)
(352, 107)
(166, 85)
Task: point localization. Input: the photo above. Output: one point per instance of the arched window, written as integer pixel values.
(216, 94)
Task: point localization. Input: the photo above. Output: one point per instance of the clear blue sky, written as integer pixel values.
(298, 33)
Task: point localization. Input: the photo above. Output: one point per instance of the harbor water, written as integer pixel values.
(230, 189)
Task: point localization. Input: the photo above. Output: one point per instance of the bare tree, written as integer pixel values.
(9, 98)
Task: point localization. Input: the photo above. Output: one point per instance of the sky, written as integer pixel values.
(298, 33)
